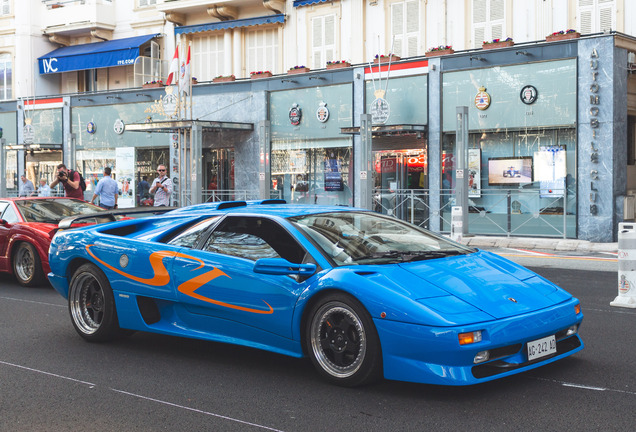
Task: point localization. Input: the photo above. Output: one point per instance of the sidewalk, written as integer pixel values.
(531, 243)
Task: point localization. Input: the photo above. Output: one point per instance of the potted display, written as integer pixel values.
(386, 58)
(224, 78)
(498, 43)
(153, 84)
(195, 80)
(338, 64)
(439, 51)
(260, 74)
(298, 69)
(563, 35)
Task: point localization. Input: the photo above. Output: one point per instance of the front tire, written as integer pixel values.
(92, 305)
(342, 341)
(27, 266)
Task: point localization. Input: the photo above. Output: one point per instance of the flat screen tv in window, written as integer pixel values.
(509, 170)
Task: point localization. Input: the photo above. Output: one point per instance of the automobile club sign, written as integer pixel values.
(295, 114)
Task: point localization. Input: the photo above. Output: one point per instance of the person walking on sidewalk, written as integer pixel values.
(26, 187)
(161, 187)
(107, 190)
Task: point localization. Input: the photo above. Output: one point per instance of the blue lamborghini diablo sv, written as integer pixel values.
(362, 295)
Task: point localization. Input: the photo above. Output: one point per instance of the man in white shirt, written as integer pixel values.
(44, 190)
(161, 187)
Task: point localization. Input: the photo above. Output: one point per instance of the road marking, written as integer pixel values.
(91, 385)
(31, 301)
(584, 387)
(47, 373)
(196, 410)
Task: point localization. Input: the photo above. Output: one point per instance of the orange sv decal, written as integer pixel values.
(188, 288)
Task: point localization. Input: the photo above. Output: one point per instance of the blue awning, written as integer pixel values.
(118, 52)
(308, 2)
(223, 25)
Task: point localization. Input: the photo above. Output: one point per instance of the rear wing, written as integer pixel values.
(112, 216)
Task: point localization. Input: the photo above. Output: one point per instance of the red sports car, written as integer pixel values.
(27, 226)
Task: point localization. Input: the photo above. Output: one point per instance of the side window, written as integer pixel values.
(192, 235)
(10, 215)
(254, 238)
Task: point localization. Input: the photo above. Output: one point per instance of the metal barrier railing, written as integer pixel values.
(510, 212)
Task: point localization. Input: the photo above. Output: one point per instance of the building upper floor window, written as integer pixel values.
(489, 21)
(208, 57)
(262, 50)
(146, 3)
(405, 28)
(5, 7)
(323, 40)
(595, 16)
(6, 89)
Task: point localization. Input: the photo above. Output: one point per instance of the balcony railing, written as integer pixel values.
(71, 16)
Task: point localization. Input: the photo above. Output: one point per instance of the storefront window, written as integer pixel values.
(313, 176)
(522, 182)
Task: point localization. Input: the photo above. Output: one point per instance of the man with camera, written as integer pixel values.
(71, 186)
(161, 187)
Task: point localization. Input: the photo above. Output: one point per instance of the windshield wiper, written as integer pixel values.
(420, 256)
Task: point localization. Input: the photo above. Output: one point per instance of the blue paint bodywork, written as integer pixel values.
(418, 307)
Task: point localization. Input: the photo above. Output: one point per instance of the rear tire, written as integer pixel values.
(342, 341)
(27, 266)
(92, 305)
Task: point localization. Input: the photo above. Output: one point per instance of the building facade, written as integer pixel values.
(550, 148)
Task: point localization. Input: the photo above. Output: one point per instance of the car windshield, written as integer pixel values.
(53, 210)
(356, 238)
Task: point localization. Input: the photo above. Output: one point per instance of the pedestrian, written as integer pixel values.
(26, 187)
(161, 188)
(72, 188)
(144, 187)
(107, 190)
(44, 190)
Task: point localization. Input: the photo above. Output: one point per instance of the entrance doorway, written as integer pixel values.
(218, 167)
(401, 184)
(42, 164)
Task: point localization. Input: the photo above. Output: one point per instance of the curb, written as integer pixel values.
(539, 243)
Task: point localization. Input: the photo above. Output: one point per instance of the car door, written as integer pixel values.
(8, 215)
(219, 280)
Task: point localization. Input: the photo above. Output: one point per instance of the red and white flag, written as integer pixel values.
(184, 78)
(174, 68)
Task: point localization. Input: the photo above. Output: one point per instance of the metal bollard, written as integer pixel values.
(457, 224)
(626, 266)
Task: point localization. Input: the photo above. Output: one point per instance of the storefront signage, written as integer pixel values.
(119, 126)
(295, 114)
(90, 128)
(380, 109)
(594, 125)
(322, 113)
(28, 132)
(482, 99)
(529, 94)
(170, 104)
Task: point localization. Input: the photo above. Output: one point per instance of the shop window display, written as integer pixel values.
(312, 176)
(521, 182)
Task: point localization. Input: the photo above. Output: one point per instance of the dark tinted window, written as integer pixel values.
(191, 236)
(254, 238)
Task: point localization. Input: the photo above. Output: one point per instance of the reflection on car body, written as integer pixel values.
(361, 294)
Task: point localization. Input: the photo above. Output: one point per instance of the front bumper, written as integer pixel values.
(433, 355)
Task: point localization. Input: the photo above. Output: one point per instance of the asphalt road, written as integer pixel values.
(51, 380)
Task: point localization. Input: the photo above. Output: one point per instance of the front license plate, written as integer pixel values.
(541, 347)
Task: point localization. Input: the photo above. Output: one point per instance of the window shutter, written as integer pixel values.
(317, 41)
(262, 50)
(412, 28)
(6, 7)
(479, 36)
(606, 15)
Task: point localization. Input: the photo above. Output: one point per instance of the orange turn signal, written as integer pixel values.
(577, 308)
(469, 338)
